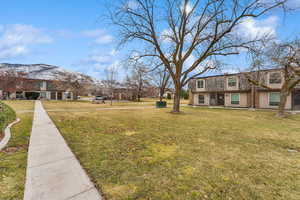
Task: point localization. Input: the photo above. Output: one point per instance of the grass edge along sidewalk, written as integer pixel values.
(13, 158)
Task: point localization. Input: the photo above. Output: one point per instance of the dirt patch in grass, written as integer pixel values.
(202, 154)
(11, 150)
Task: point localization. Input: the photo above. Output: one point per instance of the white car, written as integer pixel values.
(98, 99)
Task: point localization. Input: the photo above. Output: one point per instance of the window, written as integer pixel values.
(232, 82)
(19, 95)
(235, 98)
(43, 95)
(274, 98)
(275, 78)
(50, 86)
(44, 85)
(201, 99)
(38, 84)
(200, 84)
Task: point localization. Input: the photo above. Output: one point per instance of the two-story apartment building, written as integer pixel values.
(234, 90)
(24, 88)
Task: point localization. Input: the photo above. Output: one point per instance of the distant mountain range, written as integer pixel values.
(45, 72)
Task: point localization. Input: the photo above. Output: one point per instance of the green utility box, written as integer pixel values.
(161, 104)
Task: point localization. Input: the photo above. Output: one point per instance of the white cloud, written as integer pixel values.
(192, 59)
(165, 35)
(230, 71)
(293, 3)
(252, 28)
(189, 62)
(97, 70)
(131, 5)
(16, 40)
(188, 8)
(113, 52)
(99, 36)
(65, 33)
(98, 57)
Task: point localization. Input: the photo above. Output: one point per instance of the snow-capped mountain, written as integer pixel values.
(44, 71)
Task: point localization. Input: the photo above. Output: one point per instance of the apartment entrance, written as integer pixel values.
(220, 99)
(53, 95)
(59, 96)
(217, 99)
(32, 95)
(296, 100)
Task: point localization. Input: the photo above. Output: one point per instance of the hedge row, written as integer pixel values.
(7, 115)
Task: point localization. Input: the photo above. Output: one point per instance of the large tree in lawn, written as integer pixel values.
(186, 35)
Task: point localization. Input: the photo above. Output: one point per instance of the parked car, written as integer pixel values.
(99, 99)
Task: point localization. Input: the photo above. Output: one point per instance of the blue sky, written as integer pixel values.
(71, 34)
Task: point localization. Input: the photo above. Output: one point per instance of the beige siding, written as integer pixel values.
(243, 100)
(264, 101)
(206, 99)
(191, 97)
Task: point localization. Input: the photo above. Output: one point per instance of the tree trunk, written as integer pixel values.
(253, 95)
(283, 98)
(138, 97)
(161, 93)
(111, 98)
(176, 105)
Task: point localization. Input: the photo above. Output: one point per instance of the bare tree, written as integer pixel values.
(111, 80)
(160, 77)
(72, 82)
(175, 31)
(138, 78)
(11, 81)
(283, 56)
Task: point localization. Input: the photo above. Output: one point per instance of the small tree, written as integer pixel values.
(161, 79)
(283, 56)
(111, 80)
(138, 78)
(185, 35)
(11, 81)
(78, 84)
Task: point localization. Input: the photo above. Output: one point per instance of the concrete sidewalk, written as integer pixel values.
(53, 172)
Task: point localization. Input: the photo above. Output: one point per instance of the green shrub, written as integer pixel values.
(161, 104)
(7, 115)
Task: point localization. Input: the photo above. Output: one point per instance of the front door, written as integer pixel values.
(296, 100)
(212, 99)
(220, 99)
(53, 95)
(59, 96)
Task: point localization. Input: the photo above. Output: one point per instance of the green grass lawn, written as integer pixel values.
(201, 154)
(13, 159)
